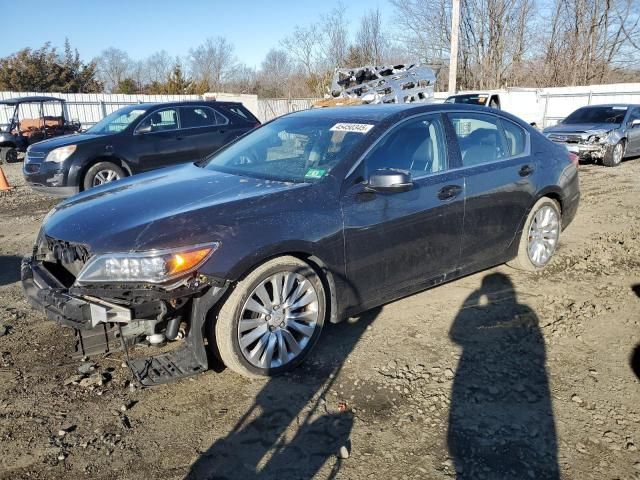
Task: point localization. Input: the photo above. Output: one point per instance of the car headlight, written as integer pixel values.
(593, 139)
(154, 266)
(60, 154)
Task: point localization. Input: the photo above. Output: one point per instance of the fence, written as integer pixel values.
(543, 106)
(89, 108)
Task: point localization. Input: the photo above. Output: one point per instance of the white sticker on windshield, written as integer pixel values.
(619, 108)
(351, 127)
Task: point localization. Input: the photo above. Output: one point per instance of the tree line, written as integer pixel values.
(527, 43)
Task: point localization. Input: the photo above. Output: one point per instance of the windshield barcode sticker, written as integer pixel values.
(351, 127)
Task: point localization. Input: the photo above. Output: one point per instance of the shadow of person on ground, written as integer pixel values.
(501, 422)
(9, 269)
(635, 355)
(290, 431)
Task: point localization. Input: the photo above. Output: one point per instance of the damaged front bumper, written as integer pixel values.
(587, 150)
(110, 318)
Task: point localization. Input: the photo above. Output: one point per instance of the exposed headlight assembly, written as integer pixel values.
(154, 266)
(60, 154)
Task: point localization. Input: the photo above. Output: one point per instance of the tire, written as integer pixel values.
(538, 235)
(8, 155)
(262, 331)
(614, 154)
(108, 171)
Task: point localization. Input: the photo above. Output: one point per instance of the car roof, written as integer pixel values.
(31, 99)
(379, 112)
(182, 103)
(609, 105)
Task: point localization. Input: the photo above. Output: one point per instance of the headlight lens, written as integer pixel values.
(155, 266)
(60, 154)
(593, 139)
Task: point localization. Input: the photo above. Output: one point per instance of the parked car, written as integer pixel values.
(605, 133)
(483, 99)
(22, 128)
(132, 140)
(314, 217)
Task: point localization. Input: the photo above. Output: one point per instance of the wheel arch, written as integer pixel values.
(120, 162)
(320, 266)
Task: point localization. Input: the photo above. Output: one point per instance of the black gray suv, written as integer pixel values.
(134, 139)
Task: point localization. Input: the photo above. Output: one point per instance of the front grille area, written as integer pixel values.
(566, 138)
(64, 260)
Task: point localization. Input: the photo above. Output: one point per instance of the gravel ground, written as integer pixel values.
(501, 374)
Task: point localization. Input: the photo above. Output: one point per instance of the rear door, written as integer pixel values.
(204, 129)
(499, 173)
(397, 242)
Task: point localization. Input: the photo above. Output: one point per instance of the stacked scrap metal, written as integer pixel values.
(386, 84)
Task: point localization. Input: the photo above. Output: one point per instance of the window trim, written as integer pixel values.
(177, 109)
(444, 114)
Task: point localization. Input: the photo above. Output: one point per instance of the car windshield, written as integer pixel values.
(597, 115)
(473, 99)
(292, 149)
(117, 121)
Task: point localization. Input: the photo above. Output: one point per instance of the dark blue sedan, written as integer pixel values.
(313, 217)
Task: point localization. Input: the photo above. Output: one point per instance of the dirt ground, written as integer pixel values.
(501, 374)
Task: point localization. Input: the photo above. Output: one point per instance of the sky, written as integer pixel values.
(142, 27)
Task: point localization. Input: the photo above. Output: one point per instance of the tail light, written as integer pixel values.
(575, 159)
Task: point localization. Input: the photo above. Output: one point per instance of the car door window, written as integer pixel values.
(479, 138)
(417, 146)
(161, 121)
(516, 138)
(634, 115)
(195, 117)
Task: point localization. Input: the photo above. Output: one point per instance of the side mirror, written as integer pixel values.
(635, 123)
(390, 180)
(143, 130)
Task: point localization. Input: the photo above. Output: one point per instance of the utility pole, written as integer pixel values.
(453, 57)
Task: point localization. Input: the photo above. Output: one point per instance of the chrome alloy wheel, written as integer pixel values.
(617, 153)
(278, 320)
(105, 176)
(544, 232)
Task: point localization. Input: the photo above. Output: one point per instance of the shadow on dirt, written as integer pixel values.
(635, 355)
(262, 446)
(9, 269)
(501, 419)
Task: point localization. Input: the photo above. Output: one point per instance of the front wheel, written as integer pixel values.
(614, 154)
(272, 318)
(101, 173)
(540, 236)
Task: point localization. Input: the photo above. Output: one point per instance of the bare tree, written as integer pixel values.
(334, 37)
(275, 73)
(158, 66)
(303, 45)
(371, 39)
(211, 63)
(113, 67)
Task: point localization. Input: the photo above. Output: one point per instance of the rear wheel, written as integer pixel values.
(540, 236)
(272, 318)
(8, 155)
(101, 173)
(614, 154)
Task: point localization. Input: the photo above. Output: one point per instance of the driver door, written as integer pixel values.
(399, 242)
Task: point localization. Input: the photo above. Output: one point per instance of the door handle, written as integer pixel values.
(525, 171)
(449, 191)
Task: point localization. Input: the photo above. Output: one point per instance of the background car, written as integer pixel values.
(315, 216)
(606, 133)
(23, 128)
(134, 139)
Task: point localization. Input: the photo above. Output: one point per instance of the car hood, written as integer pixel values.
(171, 207)
(581, 127)
(63, 141)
